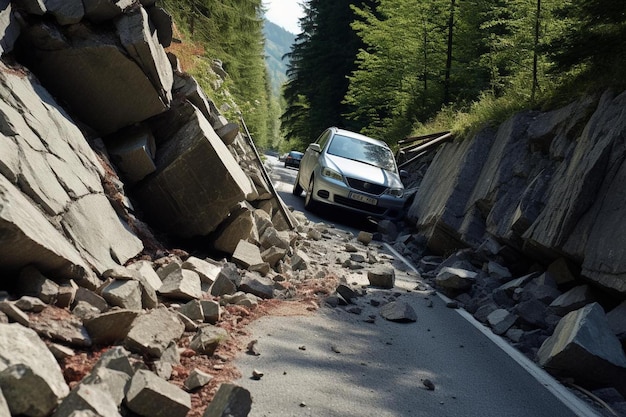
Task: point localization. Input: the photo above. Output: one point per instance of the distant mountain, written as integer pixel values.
(278, 42)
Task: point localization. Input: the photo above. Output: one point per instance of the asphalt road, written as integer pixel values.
(334, 363)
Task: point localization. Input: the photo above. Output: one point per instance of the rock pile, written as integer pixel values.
(537, 205)
(135, 146)
(549, 314)
(141, 318)
(160, 149)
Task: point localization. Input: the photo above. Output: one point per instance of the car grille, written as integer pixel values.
(366, 187)
(359, 205)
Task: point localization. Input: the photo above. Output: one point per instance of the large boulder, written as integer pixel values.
(30, 377)
(583, 346)
(444, 194)
(141, 41)
(197, 183)
(46, 157)
(548, 185)
(31, 239)
(101, 84)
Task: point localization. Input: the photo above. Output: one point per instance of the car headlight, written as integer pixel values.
(396, 192)
(330, 173)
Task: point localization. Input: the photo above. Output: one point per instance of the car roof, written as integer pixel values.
(348, 133)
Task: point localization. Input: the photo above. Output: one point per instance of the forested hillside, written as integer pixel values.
(231, 32)
(278, 42)
(391, 68)
(388, 67)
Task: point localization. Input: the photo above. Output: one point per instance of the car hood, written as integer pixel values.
(365, 172)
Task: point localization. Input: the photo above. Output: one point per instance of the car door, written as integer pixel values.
(309, 160)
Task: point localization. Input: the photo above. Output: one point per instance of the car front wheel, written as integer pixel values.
(309, 203)
(297, 189)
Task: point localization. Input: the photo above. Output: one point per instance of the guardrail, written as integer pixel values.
(419, 146)
(266, 177)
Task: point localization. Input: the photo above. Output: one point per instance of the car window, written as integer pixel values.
(323, 139)
(358, 150)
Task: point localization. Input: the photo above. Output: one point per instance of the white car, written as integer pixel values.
(353, 171)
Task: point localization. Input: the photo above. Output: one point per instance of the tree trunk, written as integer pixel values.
(535, 52)
(446, 91)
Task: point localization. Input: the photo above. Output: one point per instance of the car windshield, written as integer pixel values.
(366, 152)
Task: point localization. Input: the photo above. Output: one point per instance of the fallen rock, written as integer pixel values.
(110, 381)
(197, 379)
(398, 311)
(241, 225)
(148, 274)
(172, 197)
(88, 397)
(141, 41)
(273, 255)
(532, 312)
(247, 254)
(207, 339)
(110, 327)
(151, 333)
(192, 310)
(206, 270)
(123, 294)
(455, 279)
(300, 261)
(150, 396)
(259, 286)
(382, 276)
(182, 284)
(230, 401)
(61, 326)
(14, 313)
(501, 321)
(118, 359)
(572, 300)
(365, 237)
(89, 297)
(30, 378)
(583, 346)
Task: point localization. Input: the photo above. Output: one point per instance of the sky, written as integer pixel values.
(284, 13)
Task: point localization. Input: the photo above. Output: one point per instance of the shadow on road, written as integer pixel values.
(339, 217)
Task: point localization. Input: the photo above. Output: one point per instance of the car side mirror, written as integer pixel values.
(315, 147)
(404, 174)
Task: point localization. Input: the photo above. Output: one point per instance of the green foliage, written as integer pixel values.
(231, 32)
(390, 68)
(277, 43)
(399, 77)
(591, 45)
(321, 58)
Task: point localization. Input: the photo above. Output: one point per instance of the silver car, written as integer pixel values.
(346, 169)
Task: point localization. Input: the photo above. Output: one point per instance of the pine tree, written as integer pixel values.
(321, 58)
(593, 38)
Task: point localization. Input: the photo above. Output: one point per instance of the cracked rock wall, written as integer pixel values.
(549, 185)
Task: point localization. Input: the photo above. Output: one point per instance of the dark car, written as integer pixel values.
(349, 170)
(293, 159)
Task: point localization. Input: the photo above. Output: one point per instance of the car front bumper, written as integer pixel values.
(337, 193)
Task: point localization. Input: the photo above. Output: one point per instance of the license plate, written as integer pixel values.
(363, 198)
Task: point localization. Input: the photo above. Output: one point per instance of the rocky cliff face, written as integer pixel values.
(104, 139)
(96, 114)
(547, 185)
